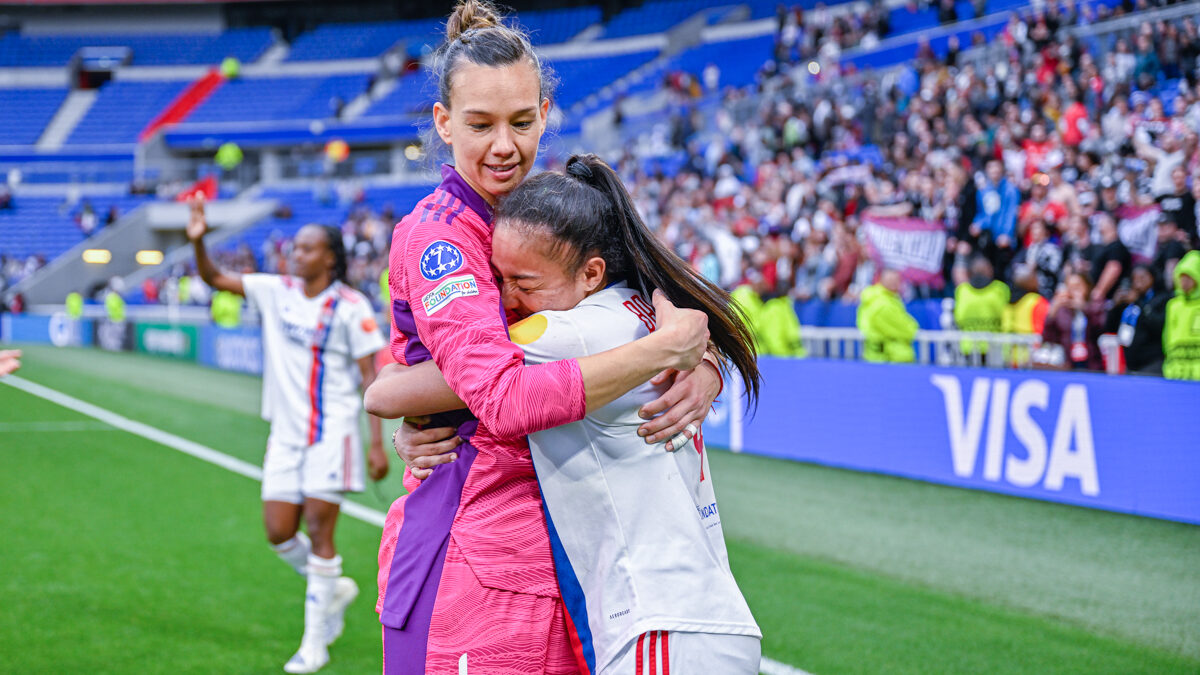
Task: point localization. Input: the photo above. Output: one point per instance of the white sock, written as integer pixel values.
(323, 574)
(295, 552)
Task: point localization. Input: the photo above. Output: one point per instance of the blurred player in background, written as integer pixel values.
(10, 360)
(466, 569)
(636, 532)
(319, 343)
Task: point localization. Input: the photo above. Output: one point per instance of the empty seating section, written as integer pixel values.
(122, 110)
(908, 19)
(247, 44)
(906, 50)
(277, 98)
(42, 226)
(413, 93)
(24, 113)
(578, 78)
(362, 40)
(554, 26)
(309, 206)
(738, 60)
(655, 17)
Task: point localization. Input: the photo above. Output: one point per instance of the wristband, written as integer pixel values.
(720, 379)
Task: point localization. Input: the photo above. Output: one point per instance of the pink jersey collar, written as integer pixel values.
(453, 183)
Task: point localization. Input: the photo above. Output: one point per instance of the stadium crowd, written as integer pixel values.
(1040, 157)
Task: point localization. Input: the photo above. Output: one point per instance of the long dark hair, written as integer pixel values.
(333, 238)
(587, 212)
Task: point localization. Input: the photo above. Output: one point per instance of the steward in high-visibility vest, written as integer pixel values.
(114, 304)
(980, 305)
(779, 329)
(1181, 333)
(1026, 315)
(226, 309)
(887, 327)
(74, 305)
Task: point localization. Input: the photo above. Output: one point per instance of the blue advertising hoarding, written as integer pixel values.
(236, 349)
(1125, 444)
(56, 329)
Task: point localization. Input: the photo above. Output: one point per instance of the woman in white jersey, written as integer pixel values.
(319, 342)
(636, 532)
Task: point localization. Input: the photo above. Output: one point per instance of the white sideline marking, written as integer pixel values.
(27, 427)
(352, 509)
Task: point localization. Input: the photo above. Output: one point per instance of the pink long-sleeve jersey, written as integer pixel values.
(446, 306)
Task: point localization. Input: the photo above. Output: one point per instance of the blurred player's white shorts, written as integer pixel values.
(682, 653)
(324, 470)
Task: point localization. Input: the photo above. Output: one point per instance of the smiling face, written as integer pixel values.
(533, 278)
(493, 123)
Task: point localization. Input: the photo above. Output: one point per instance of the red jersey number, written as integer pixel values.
(643, 310)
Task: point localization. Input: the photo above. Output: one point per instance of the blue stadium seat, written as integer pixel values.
(24, 113)
(655, 17)
(277, 98)
(362, 40)
(246, 44)
(738, 60)
(307, 208)
(579, 78)
(39, 225)
(413, 93)
(122, 109)
(557, 25)
(903, 20)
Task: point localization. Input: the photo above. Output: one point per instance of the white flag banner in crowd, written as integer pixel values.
(911, 245)
(1137, 227)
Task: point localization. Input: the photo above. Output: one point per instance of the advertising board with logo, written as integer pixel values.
(1073, 438)
(163, 339)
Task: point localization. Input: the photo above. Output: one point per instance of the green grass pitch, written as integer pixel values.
(121, 555)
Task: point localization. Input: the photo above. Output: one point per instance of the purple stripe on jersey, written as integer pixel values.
(404, 650)
(455, 185)
(462, 206)
(430, 208)
(421, 543)
(414, 351)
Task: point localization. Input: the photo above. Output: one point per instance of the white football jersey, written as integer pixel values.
(635, 529)
(310, 349)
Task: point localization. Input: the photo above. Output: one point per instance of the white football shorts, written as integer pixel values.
(325, 470)
(678, 653)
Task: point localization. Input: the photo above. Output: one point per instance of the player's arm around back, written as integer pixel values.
(197, 227)
(377, 461)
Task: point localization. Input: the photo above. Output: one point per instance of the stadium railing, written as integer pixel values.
(933, 347)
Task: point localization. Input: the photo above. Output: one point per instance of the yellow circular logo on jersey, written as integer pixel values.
(527, 331)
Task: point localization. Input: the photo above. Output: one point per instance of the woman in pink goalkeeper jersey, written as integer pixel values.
(466, 572)
(636, 534)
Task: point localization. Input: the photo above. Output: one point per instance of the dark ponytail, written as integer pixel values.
(333, 238)
(587, 212)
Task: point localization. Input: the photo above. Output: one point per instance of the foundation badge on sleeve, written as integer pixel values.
(450, 289)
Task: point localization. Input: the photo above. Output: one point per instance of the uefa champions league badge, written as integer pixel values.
(439, 259)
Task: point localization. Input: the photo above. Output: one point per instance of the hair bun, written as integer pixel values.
(471, 15)
(578, 168)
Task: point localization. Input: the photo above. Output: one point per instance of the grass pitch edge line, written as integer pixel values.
(203, 452)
